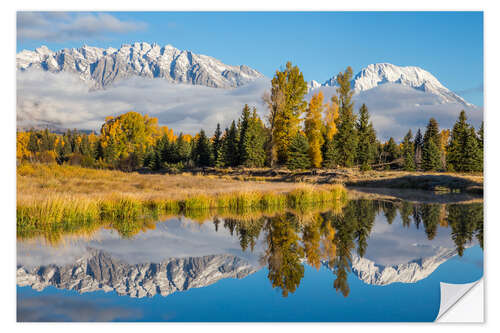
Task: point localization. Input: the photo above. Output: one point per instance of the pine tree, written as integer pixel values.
(418, 147)
(391, 151)
(481, 145)
(313, 127)
(286, 105)
(329, 153)
(456, 154)
(202, 150)
(464, 151)
(217, 152)
(182, 150)
(432, 132)
(431, 155)
(472, 153)
(408, 152)
(231, 146)
(253, 150)
(243, 125)
(159, 154)
(365, 152)
(480, 134)
(431, 159)
(299, 153)
(345, 138)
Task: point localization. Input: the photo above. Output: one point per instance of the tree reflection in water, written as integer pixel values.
(317, 236)
(330, 237)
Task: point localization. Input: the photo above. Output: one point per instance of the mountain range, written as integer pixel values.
(98, 270)
(103, 67)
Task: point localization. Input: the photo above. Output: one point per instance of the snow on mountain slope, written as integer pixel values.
(102, 67)
(410, 272)
(313, 84)
(416, 270)
(375, 75)
(98, 270)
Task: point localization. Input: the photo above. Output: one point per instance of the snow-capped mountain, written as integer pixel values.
(98, 270)
(102, 67)
(411, 272)
(372, 273)
(313, 84)
(375, 75)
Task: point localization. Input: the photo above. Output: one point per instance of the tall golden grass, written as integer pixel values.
(68, 197)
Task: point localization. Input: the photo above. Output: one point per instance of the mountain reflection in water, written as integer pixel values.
(380, 241)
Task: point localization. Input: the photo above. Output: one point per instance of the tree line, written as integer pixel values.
(296, 134)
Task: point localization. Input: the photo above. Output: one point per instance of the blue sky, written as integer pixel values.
(447, 44)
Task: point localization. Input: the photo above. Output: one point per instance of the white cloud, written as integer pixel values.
(62, 26)
(394, 109)
(64, 100)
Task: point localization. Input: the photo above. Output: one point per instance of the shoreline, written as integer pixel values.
(446, 182)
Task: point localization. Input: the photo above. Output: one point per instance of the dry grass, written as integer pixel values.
(38, 181)
(69, 197)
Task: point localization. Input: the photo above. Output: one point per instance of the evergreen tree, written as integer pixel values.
(329, 154)
(472, 153)
(464, 153)
(253, 147)
(480, 134)
(365, 153)
(408, 152)
(430, 217)
(480, 142)
(159, 154)
(299, 153)
(345, 138)
(432, 132)
(182, 150)
(164, 151)
(313, 128)
(431, 155)
(391, 151)
(231, 146)
(202, 150)
(217, 151)
(418, 147)
(243, 125)
(456, 154)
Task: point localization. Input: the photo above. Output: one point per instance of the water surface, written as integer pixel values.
(370, 260)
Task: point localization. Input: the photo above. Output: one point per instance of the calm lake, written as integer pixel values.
(370, 260)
